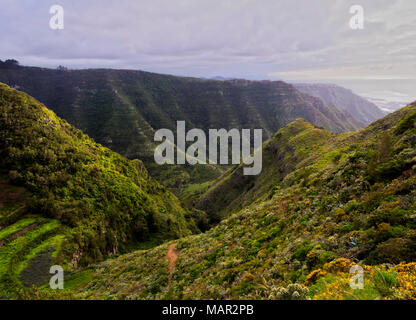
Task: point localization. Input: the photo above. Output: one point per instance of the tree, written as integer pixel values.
(384, 148)
(9, 64)
(62, 68)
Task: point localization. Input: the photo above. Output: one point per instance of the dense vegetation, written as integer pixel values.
(322, 203)
(61, 189)
(351, 200)
(284, 152)
(121, 109)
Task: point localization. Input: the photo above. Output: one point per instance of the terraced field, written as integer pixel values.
(28, 248)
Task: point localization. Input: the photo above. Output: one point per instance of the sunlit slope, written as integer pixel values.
(291, 147)
(61, 189)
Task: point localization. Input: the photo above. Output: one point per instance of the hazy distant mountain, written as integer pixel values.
(386, 105)
(220, 78)
(387, 94)
(360, 108)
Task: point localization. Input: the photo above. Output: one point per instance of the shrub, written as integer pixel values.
(385, 281)
(346, 228)
(407, 123)
(291, 292)
(301, 252)
(394, 250)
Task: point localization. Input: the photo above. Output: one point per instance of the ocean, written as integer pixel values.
(388, 94)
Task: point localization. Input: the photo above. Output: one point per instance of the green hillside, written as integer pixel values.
(350, 200)
(121, 109)
(290, 148)
(67, 199)
(323, 203)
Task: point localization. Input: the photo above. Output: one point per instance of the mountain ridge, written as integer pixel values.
(360, 108)
(122, 109)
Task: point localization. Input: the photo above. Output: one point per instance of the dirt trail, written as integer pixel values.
(172, 256)
(16, 211)
(20, 232)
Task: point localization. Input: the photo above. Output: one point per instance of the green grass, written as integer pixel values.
(54, 241)
(385, 281)
(196, 187)
(78, 279)
(15, 251)
(4, 233)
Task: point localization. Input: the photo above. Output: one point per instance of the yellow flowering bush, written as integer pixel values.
(407, 281)
(380, 282)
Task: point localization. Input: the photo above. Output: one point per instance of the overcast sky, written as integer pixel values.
(254, 39)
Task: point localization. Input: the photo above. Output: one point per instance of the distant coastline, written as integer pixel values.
(388, 94)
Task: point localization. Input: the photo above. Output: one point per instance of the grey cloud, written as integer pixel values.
(243, 38)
